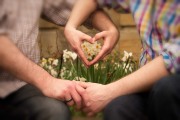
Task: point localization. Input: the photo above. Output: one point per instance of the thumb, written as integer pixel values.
(82, 92)
(99, 36)
(82, 84)
(87, 38)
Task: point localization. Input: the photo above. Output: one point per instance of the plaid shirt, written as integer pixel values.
(19, 20)
(158, 22)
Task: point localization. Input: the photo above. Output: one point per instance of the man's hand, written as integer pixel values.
(63, 90)
(75, 39)
(110, 38)
(95, 97)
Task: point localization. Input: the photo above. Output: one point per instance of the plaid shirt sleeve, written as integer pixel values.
(118, 5)
(170, 27)
(164, 28)
(171, 55)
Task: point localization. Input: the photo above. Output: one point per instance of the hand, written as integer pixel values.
(75, 39)
(110, 38)
(63, 90)
(95, 97)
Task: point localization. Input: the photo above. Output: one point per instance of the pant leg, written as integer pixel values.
(9, 112)
(37, 106)
(164, 99)
(128, 107)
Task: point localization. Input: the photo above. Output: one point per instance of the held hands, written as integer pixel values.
(63, 90)
(76, 37)
(89, 97)
(95, 96)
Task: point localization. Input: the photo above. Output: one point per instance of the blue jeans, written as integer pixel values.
(28, 103)
(162, 102)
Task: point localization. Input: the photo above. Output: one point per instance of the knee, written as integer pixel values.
(112, 107)
(53, 110)
(166, 88)
(119, 107)
(111, 110)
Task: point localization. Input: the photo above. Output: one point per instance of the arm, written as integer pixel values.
(72, 24)
(97, 97)
(84, 8)
(100, 21)
(110, 34)
(141, 80)
(13, 61)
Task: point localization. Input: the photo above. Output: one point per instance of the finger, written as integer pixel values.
(71, 103)
(82, 84)
(99, 36)
(69, 100)
(83, 94)
(87, 38)
(76, 97)
(99, 56)
(82, 57)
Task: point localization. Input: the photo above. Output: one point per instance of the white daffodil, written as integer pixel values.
(80, 79)
(96, 66)
(130, 69)
(53, 72)
(50, 60)
(55, 62)
(50, 67)
(43, 62)
(73, 55)
(90, 50)
(117, 65)
(126, 56)
(69, 55)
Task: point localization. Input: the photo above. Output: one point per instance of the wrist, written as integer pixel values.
(71, 26)
(111, 92)
(114, 30)
(43, 81)
(68, 28)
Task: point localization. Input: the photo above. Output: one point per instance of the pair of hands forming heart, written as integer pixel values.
(76, 38)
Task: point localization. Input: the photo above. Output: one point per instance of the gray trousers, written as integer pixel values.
(28, 103)
(161, 103)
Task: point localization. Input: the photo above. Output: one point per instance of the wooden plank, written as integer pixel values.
(126, 20)
(120, 19)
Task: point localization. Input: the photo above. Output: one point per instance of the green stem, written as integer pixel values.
(60, 66)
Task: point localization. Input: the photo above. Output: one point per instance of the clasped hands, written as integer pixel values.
(88, 97)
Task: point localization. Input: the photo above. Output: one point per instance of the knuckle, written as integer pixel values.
(65, 90)
(96, 36)
(70, 86)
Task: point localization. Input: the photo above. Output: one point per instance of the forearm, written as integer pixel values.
(81, 10)
(13, 61)
(101, 21)
(141, 80)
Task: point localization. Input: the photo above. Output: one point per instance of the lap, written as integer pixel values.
(127, 107)
(35, 105)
